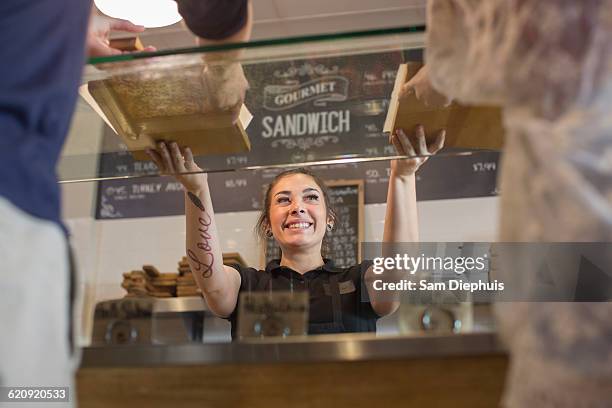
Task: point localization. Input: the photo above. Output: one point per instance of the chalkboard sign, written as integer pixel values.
(442, 177)
(304, 110)
(342, 244)
(348, 95)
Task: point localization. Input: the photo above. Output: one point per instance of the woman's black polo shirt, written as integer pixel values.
(356, 315)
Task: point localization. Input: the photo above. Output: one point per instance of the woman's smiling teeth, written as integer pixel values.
(298, 225)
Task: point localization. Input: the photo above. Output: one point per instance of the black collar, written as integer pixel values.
(274, 266)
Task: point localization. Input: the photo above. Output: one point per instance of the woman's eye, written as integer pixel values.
(281, 200)
(312, 197)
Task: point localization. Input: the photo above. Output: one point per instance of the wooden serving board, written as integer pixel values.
(468, 127)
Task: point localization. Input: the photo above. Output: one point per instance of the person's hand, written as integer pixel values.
(420, 85)
(224, 86)
(99, 31)
(171, 160)
(223, 78)
(413, 145)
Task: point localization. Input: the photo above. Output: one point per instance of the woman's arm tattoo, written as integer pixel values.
(203, 260)
(196, 201)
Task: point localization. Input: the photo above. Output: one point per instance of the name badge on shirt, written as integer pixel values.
(344, 287)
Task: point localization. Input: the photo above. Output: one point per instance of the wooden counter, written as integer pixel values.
(330, 371)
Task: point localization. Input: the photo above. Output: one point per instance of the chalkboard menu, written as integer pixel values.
(442, 177)
(341, 244)
(303, 110)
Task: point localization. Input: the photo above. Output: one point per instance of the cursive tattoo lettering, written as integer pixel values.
(204, 267)
(203, 260)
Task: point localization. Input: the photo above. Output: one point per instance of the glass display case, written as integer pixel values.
(317, 101)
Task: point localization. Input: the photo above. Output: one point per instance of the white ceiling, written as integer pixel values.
(283, 18)
(283, 9)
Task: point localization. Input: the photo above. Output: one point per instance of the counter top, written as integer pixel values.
(332, 348)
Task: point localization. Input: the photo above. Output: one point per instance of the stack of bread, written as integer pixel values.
(185, 283)
(231, 258)
(149, 281)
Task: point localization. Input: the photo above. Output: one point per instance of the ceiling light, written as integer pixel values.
(149, 13)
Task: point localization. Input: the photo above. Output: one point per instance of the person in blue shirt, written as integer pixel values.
(45, 43)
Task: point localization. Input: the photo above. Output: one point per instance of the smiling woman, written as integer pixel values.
(301, 188)
(298, 214)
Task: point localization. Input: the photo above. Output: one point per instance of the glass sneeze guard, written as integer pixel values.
(312, 100)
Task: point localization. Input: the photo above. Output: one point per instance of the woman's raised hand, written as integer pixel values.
(177, 162)
(413, 145)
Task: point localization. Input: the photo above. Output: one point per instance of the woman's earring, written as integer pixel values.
(330, 227)
(269, 233)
